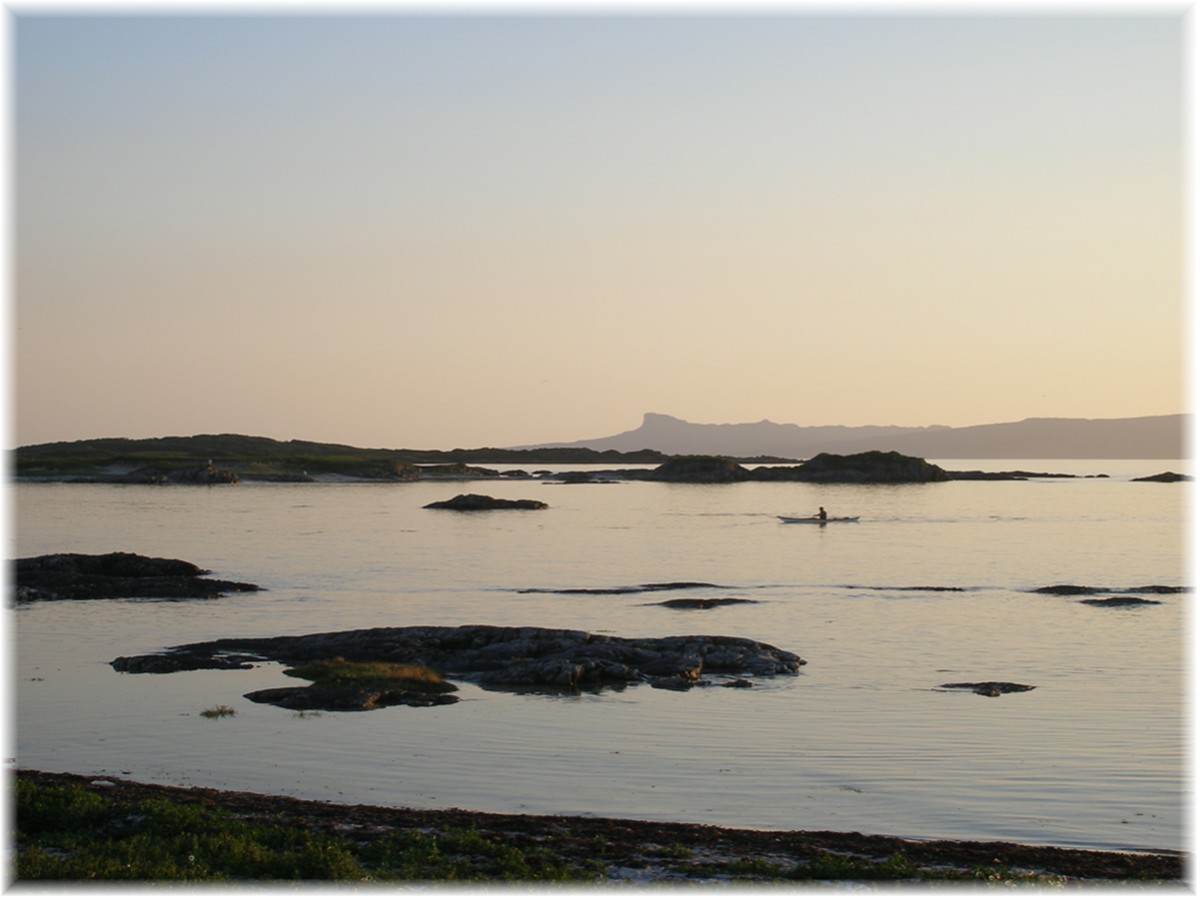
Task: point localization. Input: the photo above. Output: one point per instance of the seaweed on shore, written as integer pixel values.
(76, 828)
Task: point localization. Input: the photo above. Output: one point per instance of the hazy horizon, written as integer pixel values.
(499, 228)
(596, 437)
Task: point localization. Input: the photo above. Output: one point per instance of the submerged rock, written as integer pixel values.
(700, 602)
(988, 688)
(496, 656)
(1120, 601)
(1069, 590)
(83, 576)
(480, 502)
(632, 589)
(345, 699)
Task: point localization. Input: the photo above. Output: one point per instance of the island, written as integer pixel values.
(100, 576)
(496, 657)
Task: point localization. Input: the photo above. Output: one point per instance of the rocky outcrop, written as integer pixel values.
(496, 656)
(1120, 601)
(988, 688)
(1075, 590)
(1165, 477)
(872, 467)
(81, 576)
(481, 502)
(703, 469)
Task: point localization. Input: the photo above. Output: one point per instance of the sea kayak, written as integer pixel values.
(816, 520)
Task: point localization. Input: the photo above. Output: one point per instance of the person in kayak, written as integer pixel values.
(822, 515)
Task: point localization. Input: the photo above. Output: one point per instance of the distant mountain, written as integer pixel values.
(1147, 437)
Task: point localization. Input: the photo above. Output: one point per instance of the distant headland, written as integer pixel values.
(233, 458)
(1145, 437)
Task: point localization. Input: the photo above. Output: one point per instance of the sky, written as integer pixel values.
(492, 227)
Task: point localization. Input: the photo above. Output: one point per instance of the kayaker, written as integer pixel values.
(822, 515)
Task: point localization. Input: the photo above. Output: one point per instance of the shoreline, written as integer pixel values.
(631, 851)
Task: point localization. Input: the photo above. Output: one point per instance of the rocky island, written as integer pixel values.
(230, 459)
(493, 656)
(83, 576)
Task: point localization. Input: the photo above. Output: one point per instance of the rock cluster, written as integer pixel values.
(497, 656)
(481, 502)
(82, 576)
(872, 467)
(1111, 597)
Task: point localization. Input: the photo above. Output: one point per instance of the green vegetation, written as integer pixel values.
(130, 832)
(374, 675)
(218, 712)
(264, 457)
(73, 834)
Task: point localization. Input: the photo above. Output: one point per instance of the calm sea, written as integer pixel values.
(861, 740)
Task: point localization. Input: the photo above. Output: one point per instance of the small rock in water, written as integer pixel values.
(481, 502)
(988, 688)
(1120, 601)
(700, 602)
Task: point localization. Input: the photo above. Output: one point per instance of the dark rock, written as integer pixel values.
(1165, 477)
(1072, 590)
(922, 588)
(164, 663)
(1067, 590)
(872, 467)
(700, 602)
(703, 469)
(585, 478)
(81, 576)
(989, 688)
(480, 502)
(333, 699)
(495, 656)
(1120, 601)
(1018, 475)
(635, 589)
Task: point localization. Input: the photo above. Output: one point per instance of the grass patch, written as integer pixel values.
(218, 712)
(76, 834)
(393, 676)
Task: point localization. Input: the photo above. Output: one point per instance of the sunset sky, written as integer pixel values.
(407, 230)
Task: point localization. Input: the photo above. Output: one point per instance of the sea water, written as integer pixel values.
(862, 739)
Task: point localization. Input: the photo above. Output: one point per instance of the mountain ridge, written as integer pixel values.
(1141, 437)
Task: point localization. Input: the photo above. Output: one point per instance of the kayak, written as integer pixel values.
(816, 520)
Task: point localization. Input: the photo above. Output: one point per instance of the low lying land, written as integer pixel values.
(76, 827)
(233, 458)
